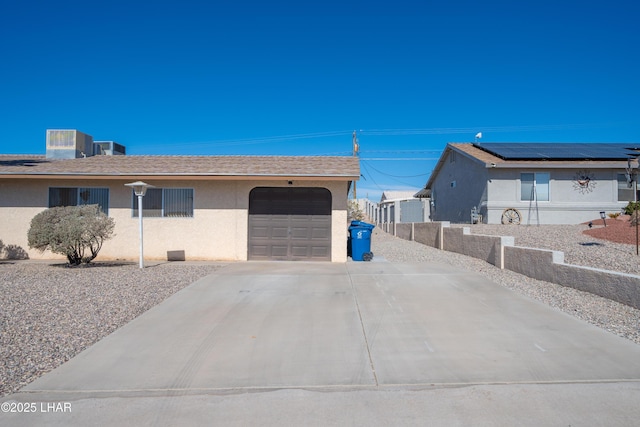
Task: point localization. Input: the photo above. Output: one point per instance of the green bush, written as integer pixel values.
(631, 207)
(76, 232)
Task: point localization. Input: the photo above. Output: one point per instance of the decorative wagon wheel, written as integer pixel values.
(511, 216)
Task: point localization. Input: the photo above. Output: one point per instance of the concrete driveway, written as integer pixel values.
(343, 344)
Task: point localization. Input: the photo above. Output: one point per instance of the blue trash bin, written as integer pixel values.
(359, 241)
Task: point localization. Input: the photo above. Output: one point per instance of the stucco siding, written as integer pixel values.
(459, 186)
(218, 229)
(568, 202)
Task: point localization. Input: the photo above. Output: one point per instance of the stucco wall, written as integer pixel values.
(217, 231)
(459, 186)
(549, 266)
(430, 233)
(568, 204)
(404, 231)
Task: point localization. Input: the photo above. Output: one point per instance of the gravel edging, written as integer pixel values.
(619, 319)
(49, 313)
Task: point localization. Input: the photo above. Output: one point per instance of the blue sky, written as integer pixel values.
(244, 77)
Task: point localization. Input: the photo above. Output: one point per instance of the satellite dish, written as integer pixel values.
(478, 135)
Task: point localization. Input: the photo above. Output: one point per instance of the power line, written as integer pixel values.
(371, 177)
(444, 131)
(364, 164)
(398, 176)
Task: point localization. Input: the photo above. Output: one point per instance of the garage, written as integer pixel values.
(290, 223)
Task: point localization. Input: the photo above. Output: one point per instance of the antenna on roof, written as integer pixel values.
(478, 136)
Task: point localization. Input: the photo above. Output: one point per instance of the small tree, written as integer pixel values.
(631, 208)
(74, 231)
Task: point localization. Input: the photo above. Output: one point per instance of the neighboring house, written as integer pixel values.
(202, 207)
(401, 207)
(531, 183)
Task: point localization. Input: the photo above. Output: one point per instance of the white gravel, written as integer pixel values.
(614, 317)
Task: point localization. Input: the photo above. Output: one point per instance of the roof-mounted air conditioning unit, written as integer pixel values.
(68, 144)
(109, 148)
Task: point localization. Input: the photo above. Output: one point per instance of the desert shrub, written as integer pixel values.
(353, 211)
(76, 232)
(631, 207)
(15, 252)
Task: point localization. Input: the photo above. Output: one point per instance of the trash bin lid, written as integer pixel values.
(362, 224)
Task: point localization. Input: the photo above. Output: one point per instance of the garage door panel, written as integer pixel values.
(300, 251)
(279, 251)
(320, 233)
(291, 223)
(279, 232)
(261, 251)
(320, 252)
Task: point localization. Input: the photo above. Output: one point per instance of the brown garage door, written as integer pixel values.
(288, 223)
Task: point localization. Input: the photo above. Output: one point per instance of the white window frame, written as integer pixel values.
(630, 190)
(527, 197)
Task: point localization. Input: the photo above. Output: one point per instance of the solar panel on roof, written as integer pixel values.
(560, 151)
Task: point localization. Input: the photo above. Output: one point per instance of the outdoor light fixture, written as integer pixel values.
(140, 189)
(602, 215)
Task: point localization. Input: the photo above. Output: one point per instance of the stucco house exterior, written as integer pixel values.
(530, 183)
(202, 207)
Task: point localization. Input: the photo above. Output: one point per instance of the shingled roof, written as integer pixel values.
(336, 167)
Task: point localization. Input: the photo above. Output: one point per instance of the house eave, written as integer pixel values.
(181, 177)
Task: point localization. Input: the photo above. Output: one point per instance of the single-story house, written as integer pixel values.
(201, 207)
(532, 183)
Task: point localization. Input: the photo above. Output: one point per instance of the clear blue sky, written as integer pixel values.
(255, 77)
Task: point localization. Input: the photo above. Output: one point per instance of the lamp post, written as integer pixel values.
(603, 217)
(140, 189)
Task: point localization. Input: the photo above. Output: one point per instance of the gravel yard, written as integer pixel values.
(49, 313)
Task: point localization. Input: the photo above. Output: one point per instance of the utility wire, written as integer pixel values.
(371, 177)
(397, 176)
(364, 164)
(443, 131)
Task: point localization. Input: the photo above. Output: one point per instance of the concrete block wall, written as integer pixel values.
(620, 287)
(486, 248)
(404, 231)
(535, 263)
(430, 233)
(540, 264)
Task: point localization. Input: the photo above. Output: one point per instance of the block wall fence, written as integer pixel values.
(540, 264)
